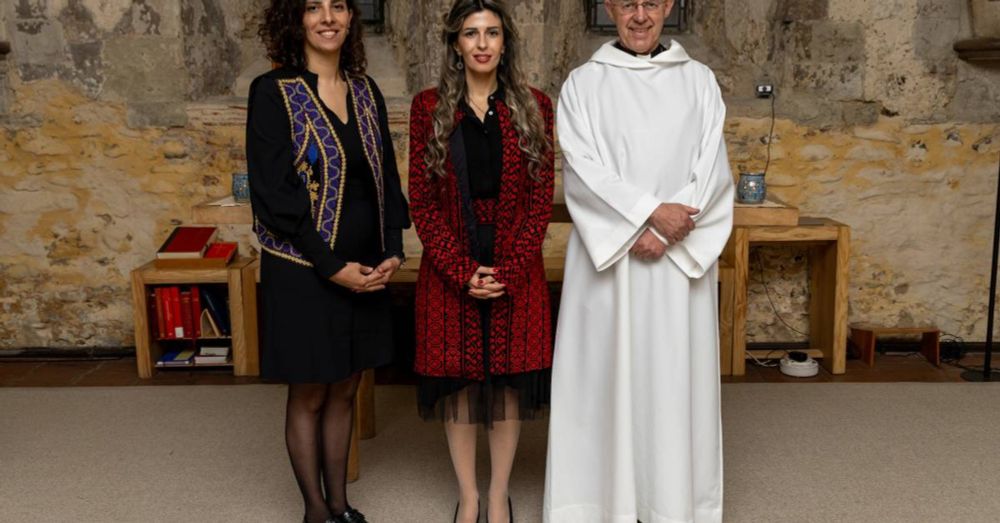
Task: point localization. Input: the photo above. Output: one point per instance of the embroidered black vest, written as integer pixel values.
(320, 163)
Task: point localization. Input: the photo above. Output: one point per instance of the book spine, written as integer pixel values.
(175, 306)
(161, 324)
(168, 313)
(154, 324)
(196, 311)
(186, 320)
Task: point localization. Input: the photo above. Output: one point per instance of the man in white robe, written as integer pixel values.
(635, 428)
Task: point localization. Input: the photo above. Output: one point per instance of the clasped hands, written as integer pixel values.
(483, 285)
(361, 278)
(673, 222)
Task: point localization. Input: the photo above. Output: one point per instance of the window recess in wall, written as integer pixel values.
(599, 22)
(373, 14)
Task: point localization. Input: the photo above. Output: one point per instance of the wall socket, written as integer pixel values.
(764, 90)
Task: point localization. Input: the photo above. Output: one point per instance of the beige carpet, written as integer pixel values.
(794, 453)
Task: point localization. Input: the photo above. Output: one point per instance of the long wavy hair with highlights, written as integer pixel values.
(525, 113)
(284, 37)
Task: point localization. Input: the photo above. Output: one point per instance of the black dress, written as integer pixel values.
(493, 399)
(313, 330)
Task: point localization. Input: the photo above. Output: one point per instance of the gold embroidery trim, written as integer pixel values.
(288, 257)
(291, 116)
(326, 165)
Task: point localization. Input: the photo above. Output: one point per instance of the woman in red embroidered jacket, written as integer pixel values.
(481, 177)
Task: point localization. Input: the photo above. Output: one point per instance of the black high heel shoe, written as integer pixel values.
(455, 519)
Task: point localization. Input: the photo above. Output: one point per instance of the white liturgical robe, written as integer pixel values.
(635, 427)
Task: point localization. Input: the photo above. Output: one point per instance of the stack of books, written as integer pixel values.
(190, 247)
(213, 355)
(178, 358)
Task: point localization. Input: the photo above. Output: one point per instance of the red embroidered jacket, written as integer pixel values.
(448, 330)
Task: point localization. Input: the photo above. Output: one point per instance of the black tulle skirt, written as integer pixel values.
(522, 396)
(499, 397)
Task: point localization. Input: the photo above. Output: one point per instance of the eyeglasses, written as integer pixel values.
(630, 6)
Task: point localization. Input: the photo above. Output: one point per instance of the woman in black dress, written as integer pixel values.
(329, 214)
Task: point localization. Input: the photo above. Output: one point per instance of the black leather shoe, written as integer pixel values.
(352, 515)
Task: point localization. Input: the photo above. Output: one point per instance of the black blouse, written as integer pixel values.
(280, 199)
(483, 149)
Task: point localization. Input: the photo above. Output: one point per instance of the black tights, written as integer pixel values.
(318, 423)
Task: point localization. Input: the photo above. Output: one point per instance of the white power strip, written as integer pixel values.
(799, 369)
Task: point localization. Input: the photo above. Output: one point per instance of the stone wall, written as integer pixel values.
(117, 115)
(551, 31)
(880, 126)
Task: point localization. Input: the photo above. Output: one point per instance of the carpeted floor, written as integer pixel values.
(895, 452)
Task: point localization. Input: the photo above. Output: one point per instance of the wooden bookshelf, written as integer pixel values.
(238, 278)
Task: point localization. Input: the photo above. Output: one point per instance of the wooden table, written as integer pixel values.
(829, 247)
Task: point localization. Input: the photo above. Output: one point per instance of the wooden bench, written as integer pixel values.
(863, 336)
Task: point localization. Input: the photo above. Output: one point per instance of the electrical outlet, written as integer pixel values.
(765, 90)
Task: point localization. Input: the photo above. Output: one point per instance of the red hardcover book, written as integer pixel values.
(222, 250)
(196, 310)
(175, 308)
(187, 242)
(186, 320)
(168, 313)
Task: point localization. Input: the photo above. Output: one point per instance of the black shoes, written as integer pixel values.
(351, 516)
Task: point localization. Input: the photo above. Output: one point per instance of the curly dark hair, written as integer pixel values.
(284, 37)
